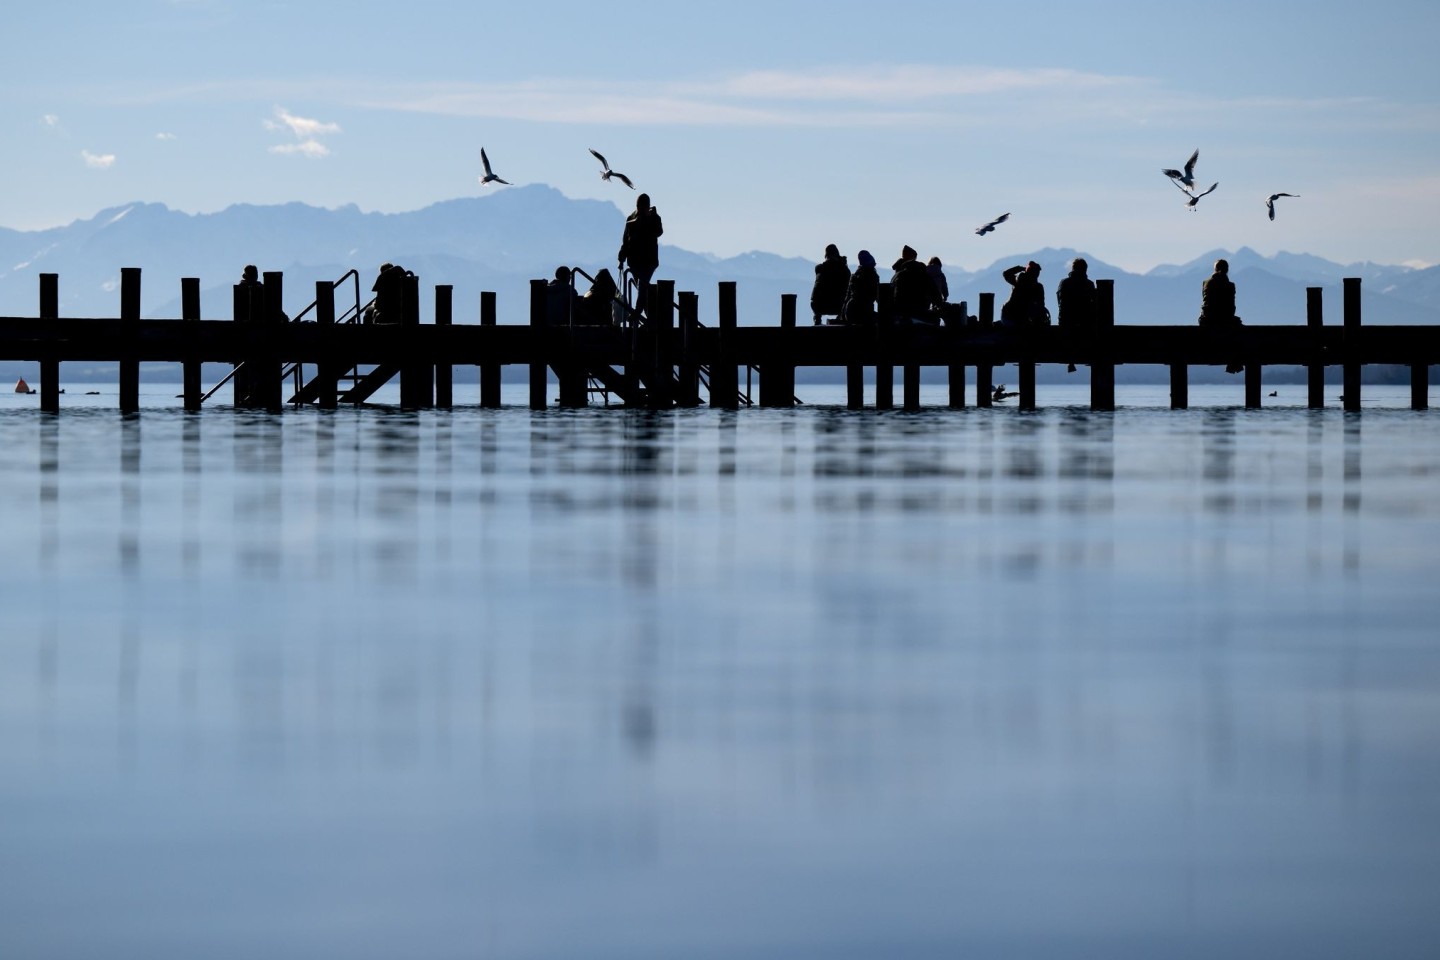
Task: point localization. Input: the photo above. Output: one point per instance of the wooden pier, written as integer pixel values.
(667, 360)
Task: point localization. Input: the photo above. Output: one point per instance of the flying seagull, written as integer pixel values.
(1270, 203)
(981, 231)
(1186, 179)
(489, 174)
(1196, 198)
(607, 173)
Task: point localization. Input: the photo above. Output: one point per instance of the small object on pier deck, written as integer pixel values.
(990, 227)
(490, 176)
(1270, 202)
(22, 387)
(1196, 198)
(1185, 180)
(607, 173)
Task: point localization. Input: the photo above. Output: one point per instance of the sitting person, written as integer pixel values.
(915, 296)
(1076, 299)
(597, 305)
(389, 289)
(561, 301)
(832, 278)
(1026, 305)
(864, 287)
(1217, 305)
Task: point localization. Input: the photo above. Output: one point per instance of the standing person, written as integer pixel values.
(1075, 298)
(1026, 306)
(832, 278)
(640, 246)
(864, 288)
(1217, 305)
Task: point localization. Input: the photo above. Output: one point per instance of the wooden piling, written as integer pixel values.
(1026, 369)
(1102, 365)
(417, 378)
(661, 320)
(1179, 386)
(269, 385)
(489, 372)
(984, 373)
(192, 389)
(884, 330)
(688, 391)
(243, 312)
(1352, 343)
(1252, 385)
(1315, 369)
(130, 336)
(725, 374)
(326, 371)
(539, 369)
(1419, 386)
(49, 366)
(777, 376)
(956, 371)
(444, 372)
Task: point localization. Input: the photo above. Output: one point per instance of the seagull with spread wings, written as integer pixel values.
(1185, 179)
(1196, 198)
(490, 176)
(607, 173)
(987, 228)
(1270, 203)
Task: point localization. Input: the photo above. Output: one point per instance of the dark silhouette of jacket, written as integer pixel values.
(1217, 302)
(1026, 305)
(832, 280)
(640, 244)
(1075, 297)
(860, 297)
(914, 290)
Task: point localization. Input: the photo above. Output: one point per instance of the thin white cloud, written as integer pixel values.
(98, 161)
(304, 128)
(50, 120)
(905, 83)
(165, 136)
(311, 149)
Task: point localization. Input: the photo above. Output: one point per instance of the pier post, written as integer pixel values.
(956, 372)
(489, 372)
(1179, 386)
(270, 385)
(724, 373)
(1102, 366)
(777, 376)
(1419, 386)
(539, 369)
(1352, 343)
(50, 367)
(327, 371)
(1315, 370)
(444, 372)
(660, 309)
(192, 388)
(417, 378)
(1252, 385)
(855, 386)
(884, 369)
(243, 312)
(689, 391)
(910, 386)
(984, 382)
(130, 339)
(1026, 368)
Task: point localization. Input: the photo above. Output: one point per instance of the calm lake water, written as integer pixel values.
(804, 683)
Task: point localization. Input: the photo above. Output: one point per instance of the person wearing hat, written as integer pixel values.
(864, 288)
(1026, 306)
(832, 277)
(915, 295)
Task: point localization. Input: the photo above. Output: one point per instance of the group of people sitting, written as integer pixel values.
(921, 294)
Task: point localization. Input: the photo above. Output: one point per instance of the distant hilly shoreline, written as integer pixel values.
(500, 241)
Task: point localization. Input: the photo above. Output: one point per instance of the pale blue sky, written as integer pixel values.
(774, 126)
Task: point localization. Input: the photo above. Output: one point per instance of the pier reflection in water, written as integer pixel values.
(769, 683)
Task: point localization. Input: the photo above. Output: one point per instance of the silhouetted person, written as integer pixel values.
(832, 279)
(640, 246)
(250, 276)
(389, 290)
(1217, 305)
(863, 290)
(1026, 305)
(936, 270)
(1075, 298)
(597, 306)
(914, 291)
(560, 299)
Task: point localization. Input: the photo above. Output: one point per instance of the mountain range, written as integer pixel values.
(500, 241)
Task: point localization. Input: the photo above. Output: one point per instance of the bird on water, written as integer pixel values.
(490, 176)
(607, 173)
